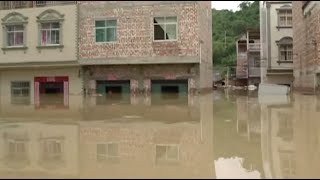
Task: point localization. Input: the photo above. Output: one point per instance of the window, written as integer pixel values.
(167, 153)
(40, 3)
(165, 28)
(14, 25)
(50, 33)
(17, 150)
(106, 31)
(50, 24)
(15, 35)
(285, 49)
(52, 150)
(286, 52)
(287, 164)
(20, 92)
(107, 152)
(285, 17)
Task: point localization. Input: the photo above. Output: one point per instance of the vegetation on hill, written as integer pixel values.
(227, 26)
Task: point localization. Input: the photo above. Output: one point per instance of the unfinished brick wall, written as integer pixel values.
(306, 38)
(141, 74)
(135, 30)
(135, 34)
(137, 150)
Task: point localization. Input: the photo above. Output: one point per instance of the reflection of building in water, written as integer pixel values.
(290, 138)
(29, 149)
(237, 150)
(277, 135)
(248, 117)
(156, 142)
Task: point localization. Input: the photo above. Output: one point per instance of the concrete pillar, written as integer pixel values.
(92, 92)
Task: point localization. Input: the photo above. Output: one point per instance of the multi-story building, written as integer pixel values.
(39, 47)
(305, 45)
(131, 46)
(276, 42)
(70, 46)
(248, 57)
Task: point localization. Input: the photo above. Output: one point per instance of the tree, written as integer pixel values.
(227, 26)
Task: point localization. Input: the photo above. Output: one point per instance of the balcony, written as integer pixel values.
(242, 72)
(242, 55)
(254, 72)
(254, 47)
(7, 5)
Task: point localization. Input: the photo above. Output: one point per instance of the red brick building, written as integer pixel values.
(159, 46)
(306, 45)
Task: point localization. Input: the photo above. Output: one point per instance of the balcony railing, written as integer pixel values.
(242, 72)
(254, 71)
(53, 3)
(254, 47)
(6, 5)
(242, 55)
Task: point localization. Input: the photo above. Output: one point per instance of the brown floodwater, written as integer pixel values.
(225, 134)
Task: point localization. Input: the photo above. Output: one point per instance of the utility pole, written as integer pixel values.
(227, 80)
(225, 39)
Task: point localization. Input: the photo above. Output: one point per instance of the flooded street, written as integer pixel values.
(218, 135)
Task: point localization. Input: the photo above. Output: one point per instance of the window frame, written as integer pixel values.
(285, 42)
(287, 48)
(17, 148)
(107, 156)
(105, 28)
(165, 23)
(166, 159)
(50, 145)
(16, 99)
(280, 13)
(49, 30)
(50, 16)
(14, 19)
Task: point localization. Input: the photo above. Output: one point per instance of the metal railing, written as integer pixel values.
(242, 55)
(254, 72)
(53, 3)
(6, 5)
(254, 47)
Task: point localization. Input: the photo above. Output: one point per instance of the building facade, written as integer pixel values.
(305, 45)
(248, 57)
(39, 48)
(145, 46)
(276, 42)
(90, 47)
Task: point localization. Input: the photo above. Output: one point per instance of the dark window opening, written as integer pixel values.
(51, 88)
(158, 33)
(113, 89)
(170, 89)
(170, 92)
(51, 93)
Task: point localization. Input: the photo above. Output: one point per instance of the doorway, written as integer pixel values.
(51, 91)
(113, 91)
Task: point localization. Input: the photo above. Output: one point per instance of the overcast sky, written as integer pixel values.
(230, 5)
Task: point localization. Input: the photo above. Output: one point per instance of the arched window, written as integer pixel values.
(50, 28)
(285, 49)
(14, 30)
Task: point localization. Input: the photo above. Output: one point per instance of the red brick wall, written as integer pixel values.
(135, 30)
(306, 52)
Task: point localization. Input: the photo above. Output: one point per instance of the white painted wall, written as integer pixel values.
(69, 35)
(75, 83)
